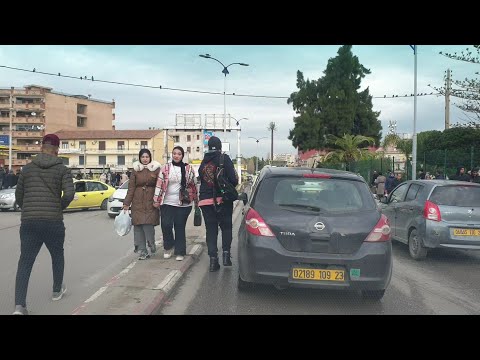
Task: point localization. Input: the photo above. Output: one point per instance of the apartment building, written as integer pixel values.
(116, 150)
(36, 110)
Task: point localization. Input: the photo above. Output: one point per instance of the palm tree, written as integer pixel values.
(349, 148)
(272, 127)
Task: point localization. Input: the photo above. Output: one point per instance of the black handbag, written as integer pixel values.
(197, 217)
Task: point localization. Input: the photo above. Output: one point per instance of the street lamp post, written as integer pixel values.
(257, 140)
(225, 72)
(239, 159)
(414, 137)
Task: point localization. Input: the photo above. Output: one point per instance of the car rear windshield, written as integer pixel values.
(330, 195)
(456, 195)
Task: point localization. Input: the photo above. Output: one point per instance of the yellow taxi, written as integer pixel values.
(90, 194)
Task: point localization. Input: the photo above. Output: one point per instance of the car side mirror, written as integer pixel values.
(243, 197)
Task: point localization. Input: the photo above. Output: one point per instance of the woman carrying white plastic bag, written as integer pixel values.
(139, 199)
(123, 223)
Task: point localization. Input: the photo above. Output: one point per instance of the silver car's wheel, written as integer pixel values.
(112, 216)
(415, 246)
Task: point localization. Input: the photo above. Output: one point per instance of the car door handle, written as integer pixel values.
(84, 195)
(101, 193)
(411, 209)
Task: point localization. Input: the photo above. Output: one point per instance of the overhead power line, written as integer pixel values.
(160, 87)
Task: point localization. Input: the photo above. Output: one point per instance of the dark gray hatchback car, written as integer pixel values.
(426, 214)
(317, 228)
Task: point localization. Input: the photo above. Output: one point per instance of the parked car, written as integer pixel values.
(317, 228)
(115, 202)
(90, 194)
(427, 214)
(7, 199)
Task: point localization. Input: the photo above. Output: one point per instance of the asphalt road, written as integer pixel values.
(94, 253)
(447, 282)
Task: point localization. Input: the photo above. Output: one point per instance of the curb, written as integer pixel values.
(169, 284)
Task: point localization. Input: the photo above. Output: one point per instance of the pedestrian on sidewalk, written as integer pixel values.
(39, 195)
(216, 212)
(140, 201)
(175, 193)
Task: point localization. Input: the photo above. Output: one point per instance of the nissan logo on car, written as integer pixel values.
(319, 226)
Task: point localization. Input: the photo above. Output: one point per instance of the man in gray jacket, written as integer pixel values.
(39, 195)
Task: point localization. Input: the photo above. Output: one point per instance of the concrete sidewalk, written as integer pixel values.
(144, 285)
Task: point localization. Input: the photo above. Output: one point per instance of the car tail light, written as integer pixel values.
(256, 225)
(321, 176)
(431, 211)
(381, 231)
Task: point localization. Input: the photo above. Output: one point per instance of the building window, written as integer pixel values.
(81, 121)
(66, 161)
(189, 138)
(64, 144)
(198, 150)
(81, 109)
(102, 160)
(120, 145)
(176, 138)
(81, 160)
(144, 145)
(198, 137)
(121, 160)
(101, 145)
(189, 150)
(83, 145)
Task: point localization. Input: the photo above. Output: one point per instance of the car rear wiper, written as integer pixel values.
(309, 207)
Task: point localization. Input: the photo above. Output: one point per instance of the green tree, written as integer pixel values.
(272, 127)
(467, 90)
(348, 148)
(332, 104)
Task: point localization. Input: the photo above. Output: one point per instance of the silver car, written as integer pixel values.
(7, 199)
(115, 202)
(427, 214)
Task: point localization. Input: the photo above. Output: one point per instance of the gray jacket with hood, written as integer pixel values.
(42, 199)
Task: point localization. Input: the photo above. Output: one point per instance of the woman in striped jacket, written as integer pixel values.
(175, 193)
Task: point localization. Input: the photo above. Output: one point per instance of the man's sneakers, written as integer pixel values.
(180, 257)
(20, 310)
(57, 295)
(167, 254)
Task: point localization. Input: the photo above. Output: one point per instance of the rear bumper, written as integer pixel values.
(264, 260)
(438, 234)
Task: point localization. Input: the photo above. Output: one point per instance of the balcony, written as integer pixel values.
(27, 120)
(18, 162)
(29, 106)
(22, 92)
(28, 148)
(27, 134)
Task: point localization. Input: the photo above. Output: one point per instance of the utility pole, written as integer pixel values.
(447, 101)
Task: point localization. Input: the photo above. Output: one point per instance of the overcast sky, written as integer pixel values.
(272, 72)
